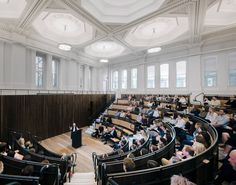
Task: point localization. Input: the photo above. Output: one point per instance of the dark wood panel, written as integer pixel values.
(48, 115)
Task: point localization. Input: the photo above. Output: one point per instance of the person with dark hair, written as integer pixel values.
(152, 164)
(143, 151)
(27, 170)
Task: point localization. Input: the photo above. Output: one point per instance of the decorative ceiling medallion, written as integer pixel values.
(63, 28)
(104, 49)
(158, 31)
(12, 8)
(222, 13)
(120, 11)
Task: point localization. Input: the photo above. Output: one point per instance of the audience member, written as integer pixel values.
(152, 164)
(179, 180)
(128, 165)
(1, 167)
(27, 170)
(227, 171)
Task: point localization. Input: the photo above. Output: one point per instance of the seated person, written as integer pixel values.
(111, 134)
(27, 170)
(227, 171)
(177, 179)
(152, 164)
(1, 167)
(21, 142)
(143, 151)
(128, 165)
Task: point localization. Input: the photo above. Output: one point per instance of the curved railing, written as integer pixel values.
(140, 161)
(200, 169)
(14, 166)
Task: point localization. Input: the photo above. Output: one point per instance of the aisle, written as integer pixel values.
(62, 144)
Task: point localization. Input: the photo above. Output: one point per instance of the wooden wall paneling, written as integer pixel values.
(47, 115)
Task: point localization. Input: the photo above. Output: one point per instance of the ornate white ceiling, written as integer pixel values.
(114, 28)
(221, 13)
(104, 49)
(120, 11)
(63, 28)
(11, 8)
(157, 32)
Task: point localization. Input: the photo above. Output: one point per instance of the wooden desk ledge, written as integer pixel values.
(115, 140)
(127, 132)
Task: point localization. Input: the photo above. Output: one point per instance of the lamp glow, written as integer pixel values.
(103, 60)
(64, 47)
(154, 50)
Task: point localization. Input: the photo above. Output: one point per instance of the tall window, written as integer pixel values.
(232, 70)
(39, 69)
(134, 78)
(164, 75)
(181, 74)
(124, 79)
(115, 80)
(151, 77)
(210, 74)
(55, 71)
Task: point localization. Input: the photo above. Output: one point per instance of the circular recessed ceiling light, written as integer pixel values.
(103, 60)
(64, 47)
(154, 50)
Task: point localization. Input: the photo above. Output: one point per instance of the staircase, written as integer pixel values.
(82, 179)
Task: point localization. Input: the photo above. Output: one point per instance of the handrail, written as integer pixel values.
(34, 91)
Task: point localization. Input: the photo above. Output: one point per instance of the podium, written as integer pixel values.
(76, 137)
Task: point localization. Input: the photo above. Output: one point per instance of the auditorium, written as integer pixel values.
(117, 92)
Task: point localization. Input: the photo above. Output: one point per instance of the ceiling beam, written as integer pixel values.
(35, 8)
(166, 9)
(75, 7)
(196, 19)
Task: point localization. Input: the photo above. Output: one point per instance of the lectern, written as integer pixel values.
(76, 137)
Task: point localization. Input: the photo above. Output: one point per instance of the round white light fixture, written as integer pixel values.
(103, 60)
(154, 50)
(64, 47)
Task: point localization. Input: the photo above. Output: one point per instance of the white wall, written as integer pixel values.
(195, 58)
(17, 70)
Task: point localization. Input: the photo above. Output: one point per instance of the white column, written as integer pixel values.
(48, 72)
(86, 77)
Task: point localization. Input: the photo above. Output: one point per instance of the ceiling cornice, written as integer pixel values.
(35, 8)
(163, 10)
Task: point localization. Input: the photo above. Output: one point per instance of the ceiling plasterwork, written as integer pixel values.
(11, 8)
(104, 49)
(120, 11)
(63, 28)
(221, 13)
(157, 32)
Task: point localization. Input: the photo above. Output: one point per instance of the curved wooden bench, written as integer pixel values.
(63, 164)
(140, 161)
(38, 147)
(199, 169)
(24, 180)
(14, 166)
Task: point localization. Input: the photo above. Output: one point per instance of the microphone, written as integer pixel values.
(195, 98)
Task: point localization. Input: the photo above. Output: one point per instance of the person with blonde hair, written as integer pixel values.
(1, 166)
